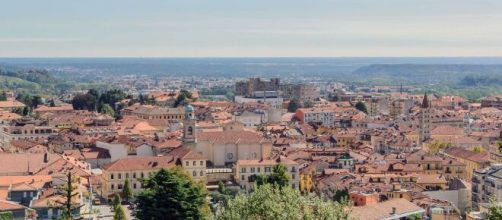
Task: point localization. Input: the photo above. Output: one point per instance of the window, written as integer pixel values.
(243, 170)
(190, 130)
(202, 163)
(112, 186)
(187, 163)
(127, 175)
(267, 169)
(252, 169)
(142, 175)
(134, 175)
(242, 177)
(292, 176)
(120, 175)
(258, 169)
(230, 156)
(194, 173)
(111, 176)
(119, 186)
(201, 173)
(24, 194)
(194, 163)
(134, 185)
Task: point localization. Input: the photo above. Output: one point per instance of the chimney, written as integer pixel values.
(46, 157)
(393, 211)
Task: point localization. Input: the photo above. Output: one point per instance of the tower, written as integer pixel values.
(189, 130)
(425, 120)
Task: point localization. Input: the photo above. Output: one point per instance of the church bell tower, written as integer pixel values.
(189, 130)
(425, 120)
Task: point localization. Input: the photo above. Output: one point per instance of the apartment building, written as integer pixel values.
(486, 182)
(246, 171)
(324, 116)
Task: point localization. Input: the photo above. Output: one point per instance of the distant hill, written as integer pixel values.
(430, 73)
(27, 80)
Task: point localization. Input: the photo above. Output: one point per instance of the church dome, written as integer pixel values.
(189, 108)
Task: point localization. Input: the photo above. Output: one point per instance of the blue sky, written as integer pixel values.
(250, 28)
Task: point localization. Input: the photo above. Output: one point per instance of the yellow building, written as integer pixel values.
(472, 160)
(135, 168)
(307, 179)
(247, 170)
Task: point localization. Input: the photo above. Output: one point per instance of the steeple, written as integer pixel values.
(425, 101)
(189, 130)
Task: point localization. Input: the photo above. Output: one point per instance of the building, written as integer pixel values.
(271, 98)
(193, 162)
(153, 112)
(391, 209)
(25, 131)
(492, 101)
(247, 88)
(133, 169)
(324, 116)
(486, 182)
(233, 143)
(472, 160)
(300, 92)
(11, 105)
(246, 171)
(362, 198)
(425, 121)
(65, 108)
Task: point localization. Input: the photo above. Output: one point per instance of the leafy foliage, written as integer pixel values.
(293, 105)
(84, 102)
(436, 146)
(171, 194)
(119, 213)
(117, 202)
(361, 107)
(269, 202)
(127, 191)
(478, 149)
(494, 211)
(107, 110)
(7, 215)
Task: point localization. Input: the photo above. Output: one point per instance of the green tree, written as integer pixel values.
(51, 103)
(361, 107)
(436, 146)
(182, 98)
(35, 101)
(117, 201)
(494, 211)
(269, 202)
(84, 102)
(119, 213)
(293, 105)
(69, 193)
(478, 149)
(341, 195)
(127, 191)
(500, 146)
(3, 96)
(279, 176)
(7, 215)
(171, 194)
(107, 110)
(26, 110)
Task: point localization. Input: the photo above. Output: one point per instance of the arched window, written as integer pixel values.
(201, 173)
(190, 130)
(194, 173)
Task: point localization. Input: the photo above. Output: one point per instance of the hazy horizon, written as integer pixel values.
(225, 28)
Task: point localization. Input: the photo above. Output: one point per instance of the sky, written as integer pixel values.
(250, 28)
